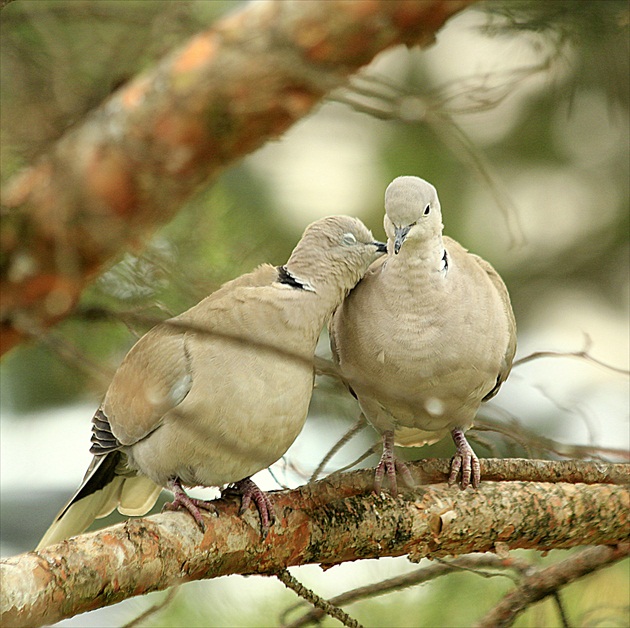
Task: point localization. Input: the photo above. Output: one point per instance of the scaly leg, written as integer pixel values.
(191, 504)
(251, 493)
(466, 460)
(390, 464)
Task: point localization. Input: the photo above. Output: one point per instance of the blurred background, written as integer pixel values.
(518, 115)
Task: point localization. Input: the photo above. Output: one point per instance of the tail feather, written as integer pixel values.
(102, 490)
(413, 437)
(138, 495)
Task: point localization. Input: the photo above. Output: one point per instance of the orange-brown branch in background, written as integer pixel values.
(132, 162)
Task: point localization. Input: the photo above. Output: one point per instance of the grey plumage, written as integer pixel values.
(221, 391)
(427, 334)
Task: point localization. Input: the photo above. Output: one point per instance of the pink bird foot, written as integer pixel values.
(192, 505)
(389, 464)
(249, 493)
(466, 460)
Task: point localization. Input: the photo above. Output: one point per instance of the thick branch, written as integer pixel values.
(330, 521)
(130, 165)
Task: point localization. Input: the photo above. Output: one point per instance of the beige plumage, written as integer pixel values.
(221, 391)
(426, 336)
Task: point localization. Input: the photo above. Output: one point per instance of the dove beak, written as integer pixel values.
(381, 247)
(400, 233)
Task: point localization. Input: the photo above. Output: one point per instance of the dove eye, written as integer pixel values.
(348, 238)
(427, 209)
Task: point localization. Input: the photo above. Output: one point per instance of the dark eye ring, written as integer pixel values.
(427, 209)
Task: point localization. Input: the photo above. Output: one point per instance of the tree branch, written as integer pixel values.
(472, 562)
(547, 581)
(321, 604)
(331, 521)
(132, 162)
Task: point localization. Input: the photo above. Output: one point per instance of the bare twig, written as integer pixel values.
(324, 605)
(351, 433)
(473, 562)
(561, 610)
(547, 581)
(381, 98)
(152, 610)
(98, 313)
(606, 615)
(455, 138)
(536, 355)
(276, 479)
(582, 354)
(530, 441)
(366, 454)
(70, 354)
(480, 568)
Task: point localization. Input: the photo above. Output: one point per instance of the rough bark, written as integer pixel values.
(133, 161)
(331, 521)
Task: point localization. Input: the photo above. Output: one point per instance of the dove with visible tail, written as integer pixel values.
(219, 392)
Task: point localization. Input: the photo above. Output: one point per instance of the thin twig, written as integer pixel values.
(547, 581)
(485, 442)
(163, 603)
(69, 353)
(98, 313)
(472, 562)
(530, 441)
(582, 354)
(361, 458)
(561, 610)
(570, 354)
(292, 583)
(456, 139)
(351, 433)
(480, 569)
(275, 478)
(381, 99)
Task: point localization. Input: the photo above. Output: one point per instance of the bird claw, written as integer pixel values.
(390, 464)
(182, 501)
(465, 460)
(249, 493)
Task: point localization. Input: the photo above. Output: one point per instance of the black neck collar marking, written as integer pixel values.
(444, 262)
(288, 279)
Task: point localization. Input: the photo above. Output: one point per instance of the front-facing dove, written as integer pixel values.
(425, 337)
(220, 392)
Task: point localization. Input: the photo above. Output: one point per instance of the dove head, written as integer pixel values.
(412, 212)
(335, 251)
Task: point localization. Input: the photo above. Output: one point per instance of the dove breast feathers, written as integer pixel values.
(432, 347)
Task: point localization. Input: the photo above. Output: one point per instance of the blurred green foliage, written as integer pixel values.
(60, 59)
